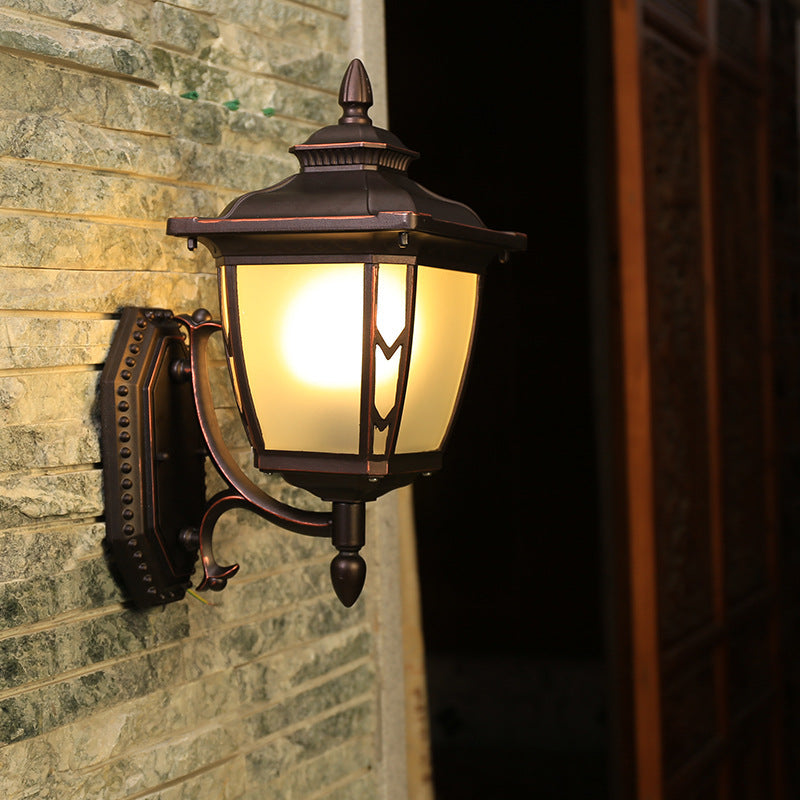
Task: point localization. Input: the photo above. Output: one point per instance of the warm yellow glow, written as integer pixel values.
(302, 338)
(223, 305)
(322, 330)
(390, 319)
(295, 414)
(445, 306)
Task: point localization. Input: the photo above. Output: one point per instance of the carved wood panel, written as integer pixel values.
(688, 7)
(738, 272)
(694, 268)
(677, 337)
(752, 774)
(738, 29)
(689, 714)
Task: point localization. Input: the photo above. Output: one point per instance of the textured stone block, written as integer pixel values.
(38, 656)
(38, 137)
(44, 708)
(31, 554)
(63, 191)
(103, 291)
(26, 499)
(69, 442)
(328, 654)
(33, 600)
(41, 397)
(93, 99)
(109, 16)
(61, 244)
(282, 752)
(35, 431)
(86, 48)
(310, 703)
(353, 758)
(30, 342)
(177, 28)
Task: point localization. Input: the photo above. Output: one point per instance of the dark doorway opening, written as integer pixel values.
(493, 96)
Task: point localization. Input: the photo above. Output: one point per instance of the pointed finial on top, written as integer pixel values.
(355, 95)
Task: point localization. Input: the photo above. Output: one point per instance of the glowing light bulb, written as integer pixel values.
(322, 330)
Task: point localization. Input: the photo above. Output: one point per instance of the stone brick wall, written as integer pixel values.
(272, 691)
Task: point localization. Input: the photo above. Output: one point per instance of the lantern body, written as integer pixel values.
(348, 296)
(349, 367)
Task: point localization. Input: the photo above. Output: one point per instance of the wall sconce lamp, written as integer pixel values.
(348, 298)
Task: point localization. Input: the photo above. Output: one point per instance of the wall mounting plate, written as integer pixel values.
(153, 457)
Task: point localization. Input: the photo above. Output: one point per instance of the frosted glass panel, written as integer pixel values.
(301, 327)
(223, 305)
(444, 318)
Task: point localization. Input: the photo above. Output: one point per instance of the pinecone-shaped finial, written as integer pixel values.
(355, 95)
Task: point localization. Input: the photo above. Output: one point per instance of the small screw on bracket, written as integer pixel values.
(189, 539)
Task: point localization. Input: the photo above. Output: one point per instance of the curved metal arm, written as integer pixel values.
(243, 493)
(311, 523)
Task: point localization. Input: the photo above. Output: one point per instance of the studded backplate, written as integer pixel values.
(153, 457)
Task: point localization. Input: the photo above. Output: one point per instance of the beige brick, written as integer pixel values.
(26, 499)
(103, 291)
(84, 47)
(55, 189)
(28, 342)
(109, 16)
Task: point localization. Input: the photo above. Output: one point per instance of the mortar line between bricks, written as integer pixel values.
(13, 372)
(312, 7)
(45, 523)
(187, 776)
(50, 524)
(24, 15)
(42, 312)
(197, 275)
(120, 222)
(67, 469)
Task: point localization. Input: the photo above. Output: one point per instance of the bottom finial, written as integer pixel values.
(348, 573)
